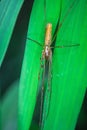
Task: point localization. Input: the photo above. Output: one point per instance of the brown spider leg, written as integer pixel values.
(47, 94)
(42, 87)
(41, 62)
(35, 41)
(63, 46)
(49, 89)
(61, 23)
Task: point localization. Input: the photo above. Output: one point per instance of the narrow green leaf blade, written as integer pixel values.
(69, 70)
(9, 11)
(31, 63)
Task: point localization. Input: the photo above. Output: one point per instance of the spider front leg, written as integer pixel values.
(42, 75)
(41, 63)
(47, 96)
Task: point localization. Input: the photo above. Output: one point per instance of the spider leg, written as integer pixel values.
(63, 46)
(35, 41)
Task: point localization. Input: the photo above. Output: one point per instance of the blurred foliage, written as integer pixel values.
(9, 108)
(14, 55)
(9, 11)
(11, 65)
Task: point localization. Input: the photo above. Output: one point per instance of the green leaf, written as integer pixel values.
(69, 71)
(9, 107)
(9, 11)
(31, 63)
(68, 65)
